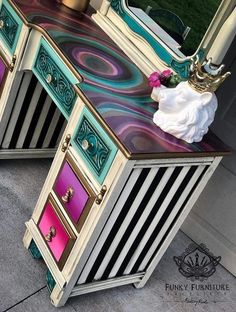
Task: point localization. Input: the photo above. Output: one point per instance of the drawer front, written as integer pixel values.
(55, 78)
(3, 74)
(56, 233)
(10, 26)
(94, 145)
(74, 192)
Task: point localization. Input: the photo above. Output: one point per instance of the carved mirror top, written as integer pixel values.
(192, 29)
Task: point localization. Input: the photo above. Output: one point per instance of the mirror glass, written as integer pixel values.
(180, 24)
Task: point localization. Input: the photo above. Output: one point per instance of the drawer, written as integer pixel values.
(55, 78)
(10, 26)
(3, 73)
(74, 192)
(94, 145)
(56, 232)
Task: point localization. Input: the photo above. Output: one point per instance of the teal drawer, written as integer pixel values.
(10, 26)
(55, 78)
(94, 145)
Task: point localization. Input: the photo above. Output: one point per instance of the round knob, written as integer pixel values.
(49, 78)
(86, 145)
(1, 24)
(69, 194)
(51, 234)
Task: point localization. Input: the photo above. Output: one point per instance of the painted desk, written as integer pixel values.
(119, 188)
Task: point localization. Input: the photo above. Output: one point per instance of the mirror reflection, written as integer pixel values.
(181, 24)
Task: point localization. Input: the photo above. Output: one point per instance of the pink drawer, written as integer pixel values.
(56, 232)
(74, 192)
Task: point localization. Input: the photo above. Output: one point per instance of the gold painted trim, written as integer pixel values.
(92, 196)
(72, 236)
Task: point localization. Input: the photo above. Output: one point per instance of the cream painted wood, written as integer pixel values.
(179, 222)
(101, 285)
(147, 163)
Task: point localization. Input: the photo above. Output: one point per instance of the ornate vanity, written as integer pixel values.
(119, 187)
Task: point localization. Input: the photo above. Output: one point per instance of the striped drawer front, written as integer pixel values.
(55, 78)
(56, 233)
(10, 26)
(94, 145)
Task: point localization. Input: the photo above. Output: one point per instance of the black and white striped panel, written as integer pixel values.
(142, 217)
(35, 121)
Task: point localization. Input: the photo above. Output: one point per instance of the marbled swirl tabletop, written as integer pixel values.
(111, 82)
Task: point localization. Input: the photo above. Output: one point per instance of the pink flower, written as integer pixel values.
(166, 74)
(154, 80)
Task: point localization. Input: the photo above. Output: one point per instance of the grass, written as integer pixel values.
(196, 14)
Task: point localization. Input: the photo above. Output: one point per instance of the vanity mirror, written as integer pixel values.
(166, 33)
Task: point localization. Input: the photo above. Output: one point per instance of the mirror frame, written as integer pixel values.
(165, 55)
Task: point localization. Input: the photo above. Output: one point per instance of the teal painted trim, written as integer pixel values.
(50, 281)
(100, 156)
(181, 67)
(65, 78)
(16, 26)
(34, 251)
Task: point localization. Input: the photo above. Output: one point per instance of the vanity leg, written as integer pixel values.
(58, 297)
(31, 246)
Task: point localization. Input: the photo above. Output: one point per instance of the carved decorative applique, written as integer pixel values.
(92, 146)
(8, 26)
(56, 80)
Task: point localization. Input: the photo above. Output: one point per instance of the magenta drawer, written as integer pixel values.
(3, 73)
(74, 192)
(56, 232)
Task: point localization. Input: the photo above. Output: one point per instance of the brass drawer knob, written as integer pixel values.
(69, 194)
(1, 24)
(13, 63)
(49, 78)
(86, 145)
(51, 234)
(65, 143)
(100, 196)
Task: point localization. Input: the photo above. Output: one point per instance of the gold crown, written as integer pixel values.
(205, 77)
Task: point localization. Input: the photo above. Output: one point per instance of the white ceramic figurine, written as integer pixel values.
(187, 110)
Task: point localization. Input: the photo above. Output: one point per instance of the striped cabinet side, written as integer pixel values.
(145, 212)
